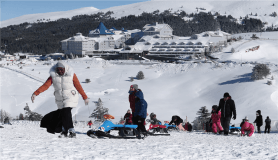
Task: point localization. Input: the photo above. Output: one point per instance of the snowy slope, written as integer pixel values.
(28, 141)
(169, 89)
(32, 18)
(235, 8)
(266, 53)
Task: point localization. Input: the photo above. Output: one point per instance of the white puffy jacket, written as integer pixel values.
(65, 93)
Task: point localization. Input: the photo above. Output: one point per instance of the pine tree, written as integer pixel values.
(200, 121)
(233, 50)
(140, 75)
(260, 71)
(99, 112)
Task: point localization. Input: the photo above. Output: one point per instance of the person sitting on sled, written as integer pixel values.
(128, 117)
(154, 120)
(90, 123)
(216, 120)
(177, 121)
(247, 128)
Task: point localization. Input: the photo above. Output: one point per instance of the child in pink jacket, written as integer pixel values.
(247, 127)
(216, 119)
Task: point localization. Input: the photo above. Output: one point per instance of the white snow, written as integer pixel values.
(24, 140)
(169, 89)
(238, 8)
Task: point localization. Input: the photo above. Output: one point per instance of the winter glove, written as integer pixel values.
(33, 98)
(86, 101)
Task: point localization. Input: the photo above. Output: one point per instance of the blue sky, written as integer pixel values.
(11, 9)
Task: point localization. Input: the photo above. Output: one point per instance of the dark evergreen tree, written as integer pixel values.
(99, 111)
(260, 71)
(140, 75)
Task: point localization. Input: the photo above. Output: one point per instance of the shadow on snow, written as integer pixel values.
(240, 79)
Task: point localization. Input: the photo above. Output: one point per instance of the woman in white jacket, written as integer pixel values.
(66, 86)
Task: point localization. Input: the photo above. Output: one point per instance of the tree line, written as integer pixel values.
(44, 37)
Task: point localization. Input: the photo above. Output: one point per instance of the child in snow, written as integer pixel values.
(267, 124)
(90, 123)
(247, 128)
(259, 120)
(154, 119)
(178, 122)
(128, 117)
(188, 127)
(216, 119)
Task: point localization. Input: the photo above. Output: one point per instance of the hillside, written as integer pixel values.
(237, 9)
(169, 89)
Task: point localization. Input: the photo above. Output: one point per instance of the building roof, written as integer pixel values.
(156, 27)
(101, 30)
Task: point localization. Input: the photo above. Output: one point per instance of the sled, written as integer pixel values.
(158, 130)
(234, 130)
(170, 127)
(124, 131)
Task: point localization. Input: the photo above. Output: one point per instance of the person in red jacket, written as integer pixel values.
(90, 123)
(247, 128)
(216, 120)
(131, 98)
(128, 117)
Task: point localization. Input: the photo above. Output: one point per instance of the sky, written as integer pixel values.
(11, 9)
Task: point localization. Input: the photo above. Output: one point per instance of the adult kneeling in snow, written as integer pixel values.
(66, 85)
(247, 128)
(177, 121)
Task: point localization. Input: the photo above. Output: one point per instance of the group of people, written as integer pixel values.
(221, 116)
(67, 87)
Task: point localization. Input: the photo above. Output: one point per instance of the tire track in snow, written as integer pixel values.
(26, 74)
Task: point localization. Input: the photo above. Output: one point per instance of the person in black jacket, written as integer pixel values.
(228, 109)
(267, 124)
(259, 120)
(177, 121)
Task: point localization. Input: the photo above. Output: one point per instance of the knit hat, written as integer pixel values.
(135, 86)
(214, 107)
(128, 110)
(226, 95)
(59, 64)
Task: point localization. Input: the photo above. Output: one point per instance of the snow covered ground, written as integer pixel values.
(169, 89)
(25, 140)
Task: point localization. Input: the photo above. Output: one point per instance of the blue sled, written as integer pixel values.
(169, 126)
(125, 131)
(230, 127)
(108, 125)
